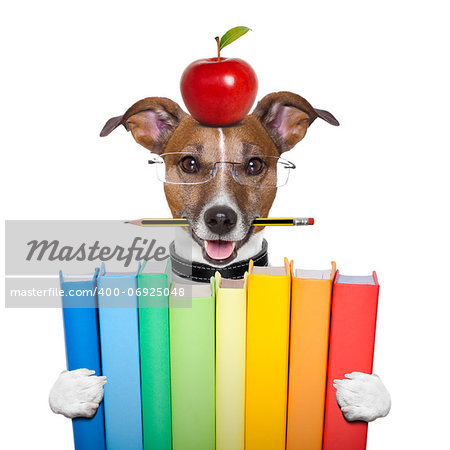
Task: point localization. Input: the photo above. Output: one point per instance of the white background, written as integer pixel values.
(378, 185)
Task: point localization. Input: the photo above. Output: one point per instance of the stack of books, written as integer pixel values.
(229, 365)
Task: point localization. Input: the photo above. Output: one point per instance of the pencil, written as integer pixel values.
(258, 222)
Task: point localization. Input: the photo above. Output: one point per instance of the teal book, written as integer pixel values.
(119, 339)
(153, 290)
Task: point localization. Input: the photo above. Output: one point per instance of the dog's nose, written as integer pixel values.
(220, 219)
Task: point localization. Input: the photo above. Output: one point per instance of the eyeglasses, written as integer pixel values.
(249, 170)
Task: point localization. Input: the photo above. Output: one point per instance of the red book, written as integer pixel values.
(352, 339)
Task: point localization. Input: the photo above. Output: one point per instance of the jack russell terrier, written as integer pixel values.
(220, 179)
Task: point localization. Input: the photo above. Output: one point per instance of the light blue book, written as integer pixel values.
(119, 340)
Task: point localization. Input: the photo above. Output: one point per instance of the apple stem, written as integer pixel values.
(218, 47)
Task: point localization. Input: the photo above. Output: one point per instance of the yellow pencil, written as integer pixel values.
(259, 222)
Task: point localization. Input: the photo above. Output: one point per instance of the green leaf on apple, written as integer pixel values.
(231, 35)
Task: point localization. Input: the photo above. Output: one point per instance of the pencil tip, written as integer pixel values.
(133, 222)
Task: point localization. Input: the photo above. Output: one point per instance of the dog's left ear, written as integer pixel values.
(151, 121)
(287, 116)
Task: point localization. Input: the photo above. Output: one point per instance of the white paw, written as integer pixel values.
(76, 393)
(362, 397)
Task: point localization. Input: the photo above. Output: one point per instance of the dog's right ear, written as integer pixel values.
(287, 116)
(151, 121)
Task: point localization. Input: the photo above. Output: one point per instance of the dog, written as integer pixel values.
(220, 206)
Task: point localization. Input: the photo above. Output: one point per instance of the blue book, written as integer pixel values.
(81, 332)
(119, 339)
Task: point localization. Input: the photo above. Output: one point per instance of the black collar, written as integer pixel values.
(197, 271)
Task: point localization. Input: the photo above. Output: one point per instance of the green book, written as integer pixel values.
(192, 364)
(153, 291)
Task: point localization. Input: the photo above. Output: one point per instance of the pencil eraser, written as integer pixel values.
(311, 221)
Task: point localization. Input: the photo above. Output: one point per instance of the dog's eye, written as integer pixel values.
(189, 164)
(254, 166)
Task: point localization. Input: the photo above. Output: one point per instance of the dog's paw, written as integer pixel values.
(76, 393)
(362, 397)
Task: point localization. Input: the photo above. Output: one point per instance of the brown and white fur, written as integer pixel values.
(220, 208)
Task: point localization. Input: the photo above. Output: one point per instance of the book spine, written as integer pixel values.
(310, 321)
(155, 361)
(119, 339)
(81, 333)
(230, 368)
(267, 350)
(192, 368)
(352, 339)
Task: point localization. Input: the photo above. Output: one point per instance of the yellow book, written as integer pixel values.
(230, 362)
(310, 323)
(268, 309)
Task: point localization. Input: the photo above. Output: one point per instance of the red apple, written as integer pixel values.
(219, 91)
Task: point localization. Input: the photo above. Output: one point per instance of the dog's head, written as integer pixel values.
(220, 179)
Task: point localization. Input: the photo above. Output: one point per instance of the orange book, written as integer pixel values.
(310, 321)
(267, 355)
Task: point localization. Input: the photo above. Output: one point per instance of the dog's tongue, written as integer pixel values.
(219, 249)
